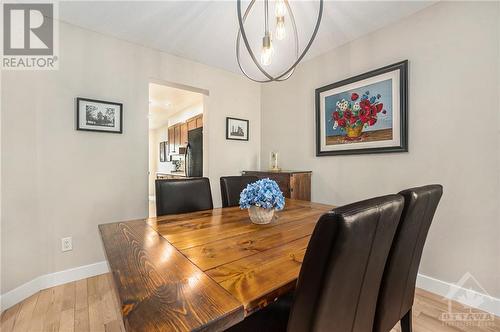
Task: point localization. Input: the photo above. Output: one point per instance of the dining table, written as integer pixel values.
(205, 270)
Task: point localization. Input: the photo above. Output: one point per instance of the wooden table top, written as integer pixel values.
(208, 269)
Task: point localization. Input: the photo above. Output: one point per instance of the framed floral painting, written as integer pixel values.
(367, 113)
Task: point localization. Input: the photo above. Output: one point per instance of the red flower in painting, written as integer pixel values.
(365, 105)
(354, 96)
(364, 118)
(363, 112)
(341, 122)
(347, 114)
(372, 121)
(379, 107)
(336, 116)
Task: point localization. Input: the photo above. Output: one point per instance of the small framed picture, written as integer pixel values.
(98, 115)
(236, 129)
(163, 152)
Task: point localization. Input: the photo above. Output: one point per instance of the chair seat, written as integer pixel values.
(273, 318)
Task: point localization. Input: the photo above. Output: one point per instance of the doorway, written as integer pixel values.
(176, 134)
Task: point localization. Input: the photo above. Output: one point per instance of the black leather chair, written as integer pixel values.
(397, 290)
(341, 272)
(232, 186)
(182, 196)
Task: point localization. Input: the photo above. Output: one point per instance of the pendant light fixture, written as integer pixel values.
(282, 14)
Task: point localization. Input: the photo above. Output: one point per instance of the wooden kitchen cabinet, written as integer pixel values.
(171, 146)
(199, 121)
(177, 137)
(195, 122)
(293, 184)
(191, 124)
(178, 133)
(184, 134)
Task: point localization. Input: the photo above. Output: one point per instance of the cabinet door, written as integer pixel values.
(171, 147)
(199, 121)
(184, 134)
(191, 124)
(300, 186)
(177, 137)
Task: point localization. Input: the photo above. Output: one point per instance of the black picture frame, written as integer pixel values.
(163, 152)
(92, 128)
(232, 136)
(402, 67)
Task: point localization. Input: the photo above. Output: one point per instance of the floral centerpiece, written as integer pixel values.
(262, 198)
(358, 113)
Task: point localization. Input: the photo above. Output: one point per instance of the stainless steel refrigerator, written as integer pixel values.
(194, 153)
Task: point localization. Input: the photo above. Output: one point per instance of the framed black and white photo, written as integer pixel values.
(236, 129)
(99, 115)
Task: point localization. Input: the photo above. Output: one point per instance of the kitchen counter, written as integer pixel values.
(170, 175)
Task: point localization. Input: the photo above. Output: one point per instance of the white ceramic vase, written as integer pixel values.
(259, 215)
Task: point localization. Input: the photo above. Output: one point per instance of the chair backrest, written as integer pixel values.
(232, 186)
(340, 276)
(398, 283)
(182, 195)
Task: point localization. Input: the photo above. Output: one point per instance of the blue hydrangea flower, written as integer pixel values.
(264, 193)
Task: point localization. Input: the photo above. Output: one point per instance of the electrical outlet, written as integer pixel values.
(66, 244)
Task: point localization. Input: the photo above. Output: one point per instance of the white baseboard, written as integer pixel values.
(489, 303)
(24, 291)
(7, 300)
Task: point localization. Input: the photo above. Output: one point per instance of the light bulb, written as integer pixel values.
(280, 8)
(266, 54)
(280, 33)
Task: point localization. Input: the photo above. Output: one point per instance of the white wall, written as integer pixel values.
(160, 135)
(453, 49)
(58, 182)
(185, 114)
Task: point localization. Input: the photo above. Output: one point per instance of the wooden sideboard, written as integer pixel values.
(293, 184)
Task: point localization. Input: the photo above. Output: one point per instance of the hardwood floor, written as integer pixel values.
(83, 305)
(90, 305)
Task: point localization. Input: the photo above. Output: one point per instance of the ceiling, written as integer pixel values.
(205, 31)
(165, 101)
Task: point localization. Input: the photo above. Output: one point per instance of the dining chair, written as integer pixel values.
(232, 186)
(182, 195)
(339, 279)
(397, 289)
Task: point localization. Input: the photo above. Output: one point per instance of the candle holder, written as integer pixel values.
(274, 162)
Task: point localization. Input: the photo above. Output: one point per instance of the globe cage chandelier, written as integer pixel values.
(281, 8)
